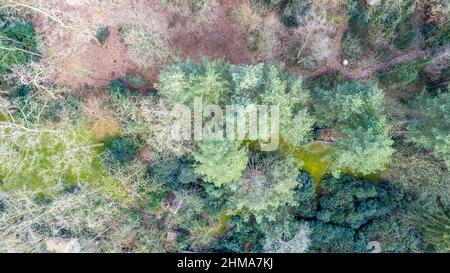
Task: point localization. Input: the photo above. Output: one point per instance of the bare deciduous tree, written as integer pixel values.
(26, 225)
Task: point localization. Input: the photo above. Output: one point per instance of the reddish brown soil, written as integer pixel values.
(97, 65)
(220, 38)
(216, 37)
(94, 65)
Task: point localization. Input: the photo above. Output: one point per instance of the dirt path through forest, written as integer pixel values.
(335, 66)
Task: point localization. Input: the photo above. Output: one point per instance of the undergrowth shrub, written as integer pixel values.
(17, 44)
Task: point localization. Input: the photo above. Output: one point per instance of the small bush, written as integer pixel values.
(292, 12)
(437, 36)
(22, 92)
(147, 44)
(403, 75)
(17, 44)
(173, 172)
(122, 150)
(136, 80)
(382, 29)
(102, 35)
(437, 25)
(257, 41)
(119, 87)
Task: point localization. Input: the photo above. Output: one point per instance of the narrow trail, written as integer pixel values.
(408, 56)
(419, 14)
(335, 66)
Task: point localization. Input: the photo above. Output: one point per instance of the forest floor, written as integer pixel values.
(96, 65)
(216, 36)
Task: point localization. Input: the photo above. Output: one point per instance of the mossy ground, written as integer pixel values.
(316, 160)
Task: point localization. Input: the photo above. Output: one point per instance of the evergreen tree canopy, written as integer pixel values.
(431, 129)
(185, 80)
(354, 110)
(218, 83)
(220, 162)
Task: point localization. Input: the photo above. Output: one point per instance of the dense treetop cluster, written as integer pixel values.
(98, 164)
